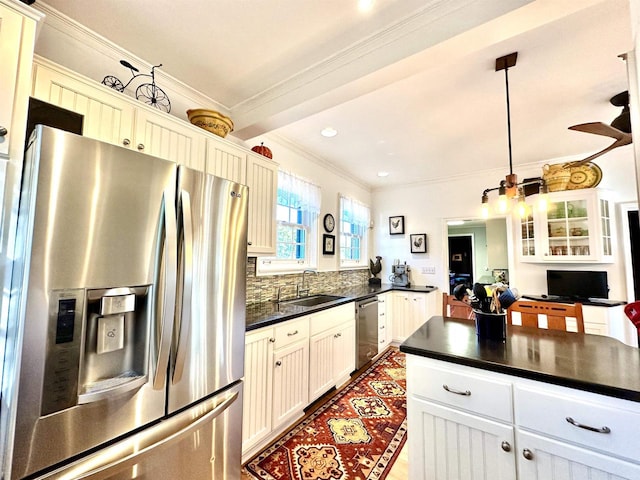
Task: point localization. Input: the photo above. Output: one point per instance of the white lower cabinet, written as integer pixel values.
(290, 381)
(276, 385)
(290, 364)
(331, 349)
(469, 423)
(543, 458)
(448, 444)
(410, 311)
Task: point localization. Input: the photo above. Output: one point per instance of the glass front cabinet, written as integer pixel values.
(577, 227)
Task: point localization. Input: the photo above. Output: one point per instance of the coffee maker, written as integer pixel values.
(400, 275)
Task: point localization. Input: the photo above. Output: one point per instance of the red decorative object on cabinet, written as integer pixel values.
(262, 150)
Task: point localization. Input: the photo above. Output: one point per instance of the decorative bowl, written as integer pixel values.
(211, 121)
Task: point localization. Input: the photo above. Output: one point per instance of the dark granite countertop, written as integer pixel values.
(595, 302)
(268, 313)
(593, 363)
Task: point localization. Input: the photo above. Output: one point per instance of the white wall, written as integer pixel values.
(426, 206)
(331, 181)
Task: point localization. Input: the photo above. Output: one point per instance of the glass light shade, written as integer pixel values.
(522, 208)
(503, 204)
(543, 202)
(484, 210)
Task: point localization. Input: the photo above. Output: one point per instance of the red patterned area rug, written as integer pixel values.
(357, 434)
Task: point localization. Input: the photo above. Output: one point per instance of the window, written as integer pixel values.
(297, 210)
(354, 228)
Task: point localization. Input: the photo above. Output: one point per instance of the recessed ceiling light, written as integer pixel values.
(329, 132)
(383, 174)
(455, 222)
(365, 5)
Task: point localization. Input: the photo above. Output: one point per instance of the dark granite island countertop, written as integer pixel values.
(592, 363)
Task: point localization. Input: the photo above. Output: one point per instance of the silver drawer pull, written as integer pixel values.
(587, 427)
(292, 333)
(466, 393)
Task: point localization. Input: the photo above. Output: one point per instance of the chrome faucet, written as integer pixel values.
(278, 291)
(301, 290)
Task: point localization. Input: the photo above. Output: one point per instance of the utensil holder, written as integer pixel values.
(491, 326)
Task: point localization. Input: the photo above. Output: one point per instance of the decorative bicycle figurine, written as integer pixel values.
(148, 93)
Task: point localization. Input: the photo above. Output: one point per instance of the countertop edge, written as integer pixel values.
(609, 391)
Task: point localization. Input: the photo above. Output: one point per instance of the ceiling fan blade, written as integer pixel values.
(600, 128)
(625, 140)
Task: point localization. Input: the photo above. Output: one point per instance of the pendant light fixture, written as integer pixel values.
(509, 188)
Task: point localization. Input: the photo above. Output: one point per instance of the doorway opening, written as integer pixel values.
(460, 261)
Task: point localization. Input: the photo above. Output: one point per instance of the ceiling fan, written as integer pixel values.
(620, 129)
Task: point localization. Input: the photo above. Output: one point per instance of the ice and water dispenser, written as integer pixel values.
(98, 345)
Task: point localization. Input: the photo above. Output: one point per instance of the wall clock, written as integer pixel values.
(329, 222)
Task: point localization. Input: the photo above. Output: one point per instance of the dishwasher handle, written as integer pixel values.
(367, 302)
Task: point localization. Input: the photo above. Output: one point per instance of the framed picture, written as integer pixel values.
(396, 225)
(328, 244)
(418, 242)
(456, 257)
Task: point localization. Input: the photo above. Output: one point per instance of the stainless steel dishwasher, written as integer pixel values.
(366, 330)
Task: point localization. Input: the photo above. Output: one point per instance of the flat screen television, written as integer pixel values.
(577, 284)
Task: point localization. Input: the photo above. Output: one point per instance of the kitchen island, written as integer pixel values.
(541, 405)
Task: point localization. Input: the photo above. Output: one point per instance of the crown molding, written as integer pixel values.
(107, 50)
(320, 161)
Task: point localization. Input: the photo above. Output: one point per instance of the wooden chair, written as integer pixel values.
(452, 307)
(556, 313)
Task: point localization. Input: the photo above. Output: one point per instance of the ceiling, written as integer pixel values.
(410, 86)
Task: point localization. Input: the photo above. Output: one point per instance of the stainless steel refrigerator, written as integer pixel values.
(127, 315)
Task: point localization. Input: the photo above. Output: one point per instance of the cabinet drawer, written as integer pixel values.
(331, 318)
(549, 412)
(290, 332)
(472, 392)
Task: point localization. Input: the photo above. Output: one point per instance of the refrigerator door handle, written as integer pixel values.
(135, 449)
(167, 302)
(187, 284)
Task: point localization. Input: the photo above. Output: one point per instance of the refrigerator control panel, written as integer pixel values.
(60, 384)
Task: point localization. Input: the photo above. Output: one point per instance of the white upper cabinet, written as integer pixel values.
(111, 117)
(115, 118)
(226, 161)
(576, 228)
(262, 178)
(17, 37)
(108, 115)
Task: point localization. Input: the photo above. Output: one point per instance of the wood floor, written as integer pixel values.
(400, 469)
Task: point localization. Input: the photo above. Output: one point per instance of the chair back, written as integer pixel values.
(452, 307)
(556, 313)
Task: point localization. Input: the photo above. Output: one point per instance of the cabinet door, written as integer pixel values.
(344, 351)
(226, 161)
(10, 37)
(445, 444)
(258, 387)
(262, 179)
(401, 315)
(418, 312)
(290, 381)
(576, 228)
(321, 363)
(108, 115)
(541, 458)
(158, 135)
